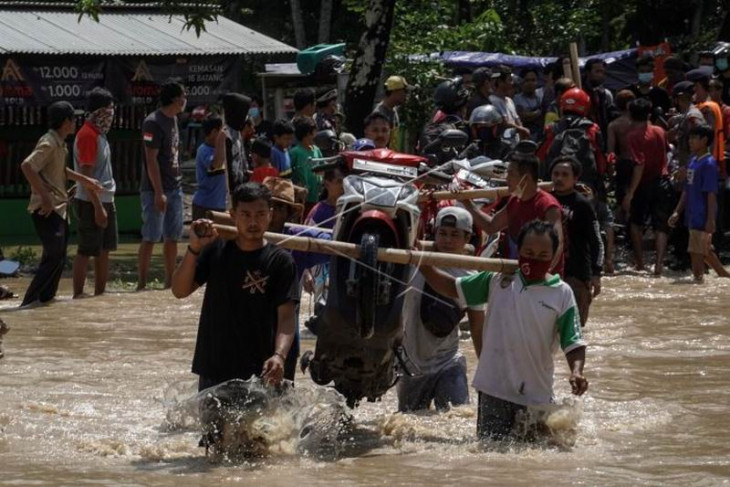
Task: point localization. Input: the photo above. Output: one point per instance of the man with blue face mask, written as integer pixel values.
(645, 88)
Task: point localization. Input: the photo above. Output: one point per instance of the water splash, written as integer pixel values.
(245, 419)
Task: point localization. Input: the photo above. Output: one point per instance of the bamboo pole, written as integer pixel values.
(474, 193)
(574, 65)
(396, 256)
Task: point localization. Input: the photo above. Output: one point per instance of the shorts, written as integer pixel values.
(445, 387)
(652, 202)
(202, 212)
(583, 297)
(93, 240)
(156, 225)
(496, 418)
(699, 242)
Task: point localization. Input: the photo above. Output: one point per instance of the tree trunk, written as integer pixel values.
(367, 65)
(697, 19)
(724, 34)
(605, 26)
(325, 21)
(300, 36)
(463, 14)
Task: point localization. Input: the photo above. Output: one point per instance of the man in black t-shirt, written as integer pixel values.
(584, 253)
(247, 320)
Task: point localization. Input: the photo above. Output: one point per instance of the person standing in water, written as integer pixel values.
(161, 185)
(248, 315)
(46, 171)
(97, 215)
(530, 313)
(431, 328)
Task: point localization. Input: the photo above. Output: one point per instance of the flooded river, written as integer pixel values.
(85, 387)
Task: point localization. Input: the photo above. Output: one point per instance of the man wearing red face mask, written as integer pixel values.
(529, 314)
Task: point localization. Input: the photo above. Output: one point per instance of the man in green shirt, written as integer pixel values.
(529, 314)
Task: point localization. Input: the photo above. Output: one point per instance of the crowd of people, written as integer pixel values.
(650, 155)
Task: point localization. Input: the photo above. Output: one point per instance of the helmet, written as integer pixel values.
(328, 142)
(575, 101)
(451, 95)
(721, 49)
(363, 144)
(486, 114)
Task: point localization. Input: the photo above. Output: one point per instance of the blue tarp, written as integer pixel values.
(620, 70)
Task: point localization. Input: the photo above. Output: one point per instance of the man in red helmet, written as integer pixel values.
(576, 135)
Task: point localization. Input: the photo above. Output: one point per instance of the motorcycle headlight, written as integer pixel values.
(380, 197)
(407, 191)
(354, 183)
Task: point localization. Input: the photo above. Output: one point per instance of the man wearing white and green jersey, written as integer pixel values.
(529, 314)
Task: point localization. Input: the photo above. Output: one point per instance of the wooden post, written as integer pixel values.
(575, 65)
(396, 256)
(567, 68)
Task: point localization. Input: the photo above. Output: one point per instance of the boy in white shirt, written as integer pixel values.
(529, 315)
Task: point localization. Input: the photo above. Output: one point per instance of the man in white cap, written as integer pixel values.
(431, 328)
(396, 93)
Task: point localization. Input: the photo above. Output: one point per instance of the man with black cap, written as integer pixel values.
(482, 79)
(46, 171)
(161, 184)
(326, 109)
(230, 146)
(431, 328)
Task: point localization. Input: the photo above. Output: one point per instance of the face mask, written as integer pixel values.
(645, 78)
(254, 112)
(721, 64)
(533, 269)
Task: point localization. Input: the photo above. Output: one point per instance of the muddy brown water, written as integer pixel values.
(84, 384)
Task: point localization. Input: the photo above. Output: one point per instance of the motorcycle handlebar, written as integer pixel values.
(322, 164)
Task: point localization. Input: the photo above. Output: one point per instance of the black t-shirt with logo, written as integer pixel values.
(161, 132)
(238, 320)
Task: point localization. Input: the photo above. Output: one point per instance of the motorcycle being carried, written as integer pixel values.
(359, 330)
